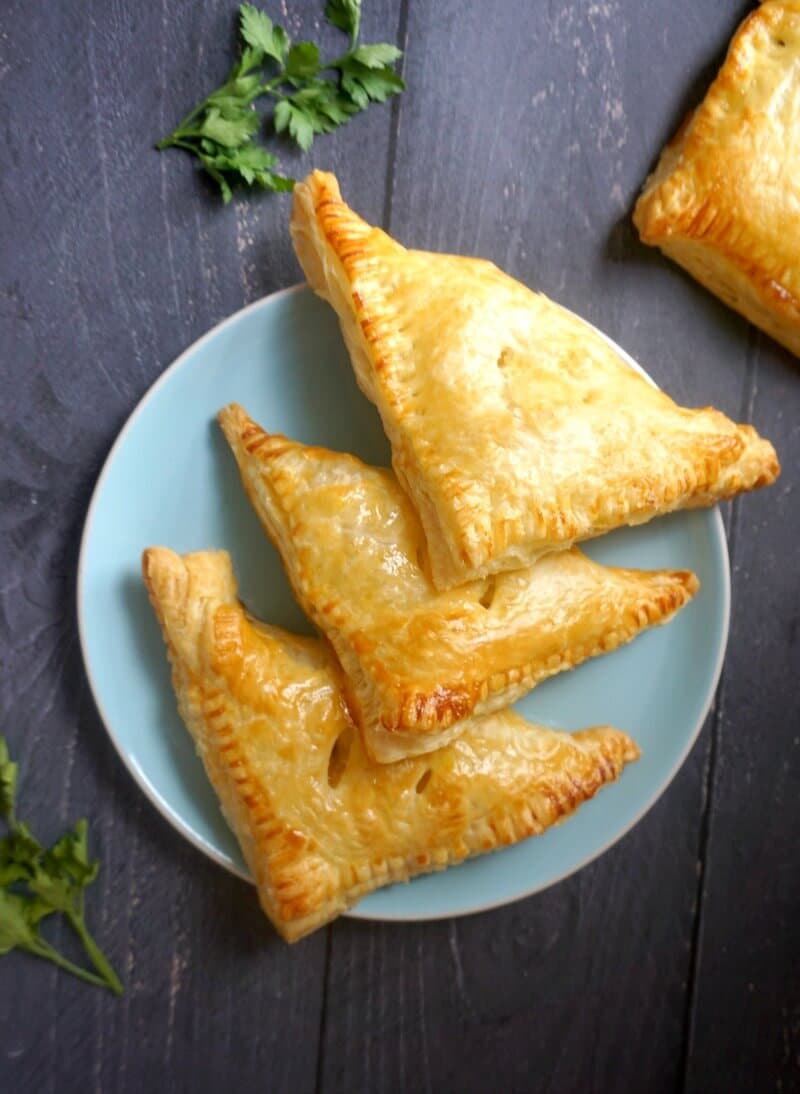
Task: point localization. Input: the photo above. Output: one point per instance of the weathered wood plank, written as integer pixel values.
(114, 258)
(745, 1029)
(524, 136)
(532, 157)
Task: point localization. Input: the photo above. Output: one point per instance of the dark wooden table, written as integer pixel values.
(527, 128)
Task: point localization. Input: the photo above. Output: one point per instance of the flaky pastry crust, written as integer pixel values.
(319, 824)
(419, 662)
(515, 427)
(724, 200)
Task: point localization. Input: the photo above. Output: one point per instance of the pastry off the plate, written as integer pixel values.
(319, 824)
(419, 663)
(515, 427)
(724, 200)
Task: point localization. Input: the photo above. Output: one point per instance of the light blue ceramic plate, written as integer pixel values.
(169, 480)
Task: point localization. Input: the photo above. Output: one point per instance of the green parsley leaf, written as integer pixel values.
(303, 61)
(377, 56)
(36, 883)
(253, 163)
(365, 85)
(301, 126)
(313, 96)
(228, 126)
(17, 924)
(251, 58)
(345, 15)
(259, 32)
(18, 854)
(8, 783)
(64, 871)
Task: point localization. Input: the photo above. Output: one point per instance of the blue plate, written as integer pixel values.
(169, 480)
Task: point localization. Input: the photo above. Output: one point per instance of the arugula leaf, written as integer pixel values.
(35, 883)
(345, 15)
(312, 96)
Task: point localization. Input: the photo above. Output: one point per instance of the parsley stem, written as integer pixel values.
(43, 949)
(183, 125)
(99, 959)
(176, 142)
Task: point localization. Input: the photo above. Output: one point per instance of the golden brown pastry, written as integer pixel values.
(418, 662)
(318, 823)
(515, 427)
(724, 200)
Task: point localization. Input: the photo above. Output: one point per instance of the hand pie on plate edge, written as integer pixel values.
(515, 427)
(724, 200)
(319, 824)
(419, 663)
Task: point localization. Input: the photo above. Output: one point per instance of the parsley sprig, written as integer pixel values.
(311, 96)
(36, 882)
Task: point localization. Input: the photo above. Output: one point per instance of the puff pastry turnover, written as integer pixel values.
(515, 427)
(418, 662)
(318, 823)
(724, 200)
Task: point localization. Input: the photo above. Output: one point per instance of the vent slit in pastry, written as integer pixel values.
(265, 711)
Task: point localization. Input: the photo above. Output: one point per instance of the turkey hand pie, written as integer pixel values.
(724, 200)
(418, 663)
(515, 427)
(318, 823)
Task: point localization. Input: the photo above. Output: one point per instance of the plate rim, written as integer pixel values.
(194, 838)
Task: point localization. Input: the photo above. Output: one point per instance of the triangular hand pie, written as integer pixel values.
(318, 823)
(515, 427)
(724, 199)
(418, 662)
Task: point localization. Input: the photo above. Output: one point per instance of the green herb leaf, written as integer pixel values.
(19, 853)
(365, 85)
(301, 127)
(64, 871)
(303, 61)
(346, 15)
(229, 127)
(259, 32)
(318, 108)
(17, 921)
(313, 96)
(35, 883)
(8, 783)
(377, 56)
(252, 163)
(251, 58)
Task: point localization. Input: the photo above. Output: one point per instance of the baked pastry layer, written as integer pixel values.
(515, 427)
(724, 200)
(318, 823)
(419, 662)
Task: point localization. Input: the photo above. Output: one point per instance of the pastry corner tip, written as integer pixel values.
(155, 560)
(689, 581)
(317, 187)
(233, 419)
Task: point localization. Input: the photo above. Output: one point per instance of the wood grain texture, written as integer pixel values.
(524, 136)
(749, 927)
(115, 258)
(558, 993)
